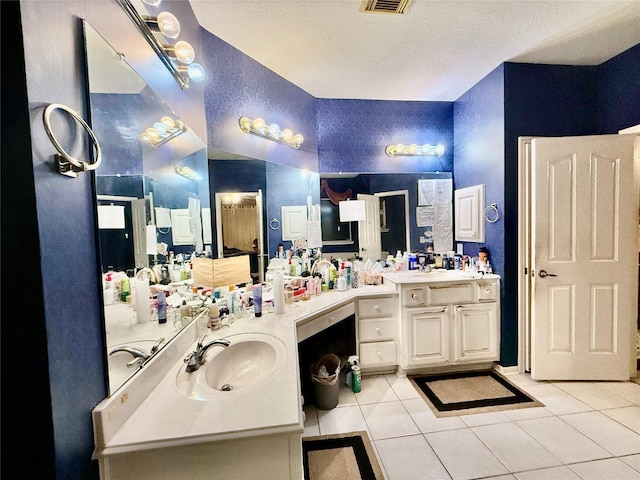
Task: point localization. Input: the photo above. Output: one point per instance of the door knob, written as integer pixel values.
(543, 273)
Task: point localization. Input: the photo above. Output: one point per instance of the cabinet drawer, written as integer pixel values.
(487, 291)
(321, 322)
(377, 307)
(450, 293)
(376, 330)
(415, 297)
(379, 353)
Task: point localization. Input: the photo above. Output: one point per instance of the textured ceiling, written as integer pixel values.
(437, 50)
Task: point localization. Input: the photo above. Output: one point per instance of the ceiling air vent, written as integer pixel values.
(384, 6)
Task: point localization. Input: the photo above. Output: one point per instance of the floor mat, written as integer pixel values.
(348, 456)
(466, 393)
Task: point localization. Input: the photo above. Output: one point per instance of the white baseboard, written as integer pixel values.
(506, 370)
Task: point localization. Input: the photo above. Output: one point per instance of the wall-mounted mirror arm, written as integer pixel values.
(143, 26)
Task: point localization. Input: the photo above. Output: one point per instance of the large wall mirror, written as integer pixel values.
(152, 190)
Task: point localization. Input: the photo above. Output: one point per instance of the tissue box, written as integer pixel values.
(367, 278)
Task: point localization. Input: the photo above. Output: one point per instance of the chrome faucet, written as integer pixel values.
(197, 358)
(139, 355)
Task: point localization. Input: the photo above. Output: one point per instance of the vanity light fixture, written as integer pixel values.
(187, 173)
(177, 58)
(271, 132)
(163, 131)
(414, 150)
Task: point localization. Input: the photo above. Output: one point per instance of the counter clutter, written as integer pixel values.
(163, 410)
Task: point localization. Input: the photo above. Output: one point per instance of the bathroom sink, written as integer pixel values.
(250, 360)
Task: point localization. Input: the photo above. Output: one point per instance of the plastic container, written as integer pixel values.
(324, 377)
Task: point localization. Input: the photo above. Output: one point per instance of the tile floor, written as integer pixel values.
(587, 430)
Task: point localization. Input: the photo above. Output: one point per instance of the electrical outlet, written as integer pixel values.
(111, 413)
(124, 397)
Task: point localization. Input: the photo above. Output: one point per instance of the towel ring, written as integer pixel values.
(68, 165)
(274, 224)
(493, 207)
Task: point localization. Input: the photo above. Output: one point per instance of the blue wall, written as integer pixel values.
(479, 159)
(619, 92)
(288, 186)
(352, 135)
(237, 86)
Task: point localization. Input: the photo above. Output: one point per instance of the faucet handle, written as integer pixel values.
(192, 362)
(156, 346)
(201, 341)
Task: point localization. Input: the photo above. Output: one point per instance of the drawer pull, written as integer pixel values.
(333, 319)
(379, 354)
(378, 330)
(414, 295)
(377, 307)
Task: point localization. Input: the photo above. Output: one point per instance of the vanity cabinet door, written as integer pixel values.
(477, 334)
(426, 337)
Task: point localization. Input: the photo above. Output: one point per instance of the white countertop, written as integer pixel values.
(163, 416)
(167, 417)
(439, 275)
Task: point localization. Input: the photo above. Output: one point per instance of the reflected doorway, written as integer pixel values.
(239, 228)
(394, 222)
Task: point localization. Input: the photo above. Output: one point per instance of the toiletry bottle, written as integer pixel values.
(162, 307)
(257, 300)
(356, 380)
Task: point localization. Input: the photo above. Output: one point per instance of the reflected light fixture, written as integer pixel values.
(187, 173)
(165, 23)
(271, 132)
(414, 150)
(163, 131)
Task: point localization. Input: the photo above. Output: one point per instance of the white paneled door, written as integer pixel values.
(369, 229)
(584, 250)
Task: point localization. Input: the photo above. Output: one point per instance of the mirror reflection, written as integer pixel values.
(163, 196)
(152, 190)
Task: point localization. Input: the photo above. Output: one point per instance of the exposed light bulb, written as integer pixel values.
(258, 124)
(274, 130)
(153, 134)
(168, 122)
(160, 128)
(153, 3)
(440, 150)
(298, 139)
(196, 72)
(168, 24)
(184, 52)
(287, 134)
